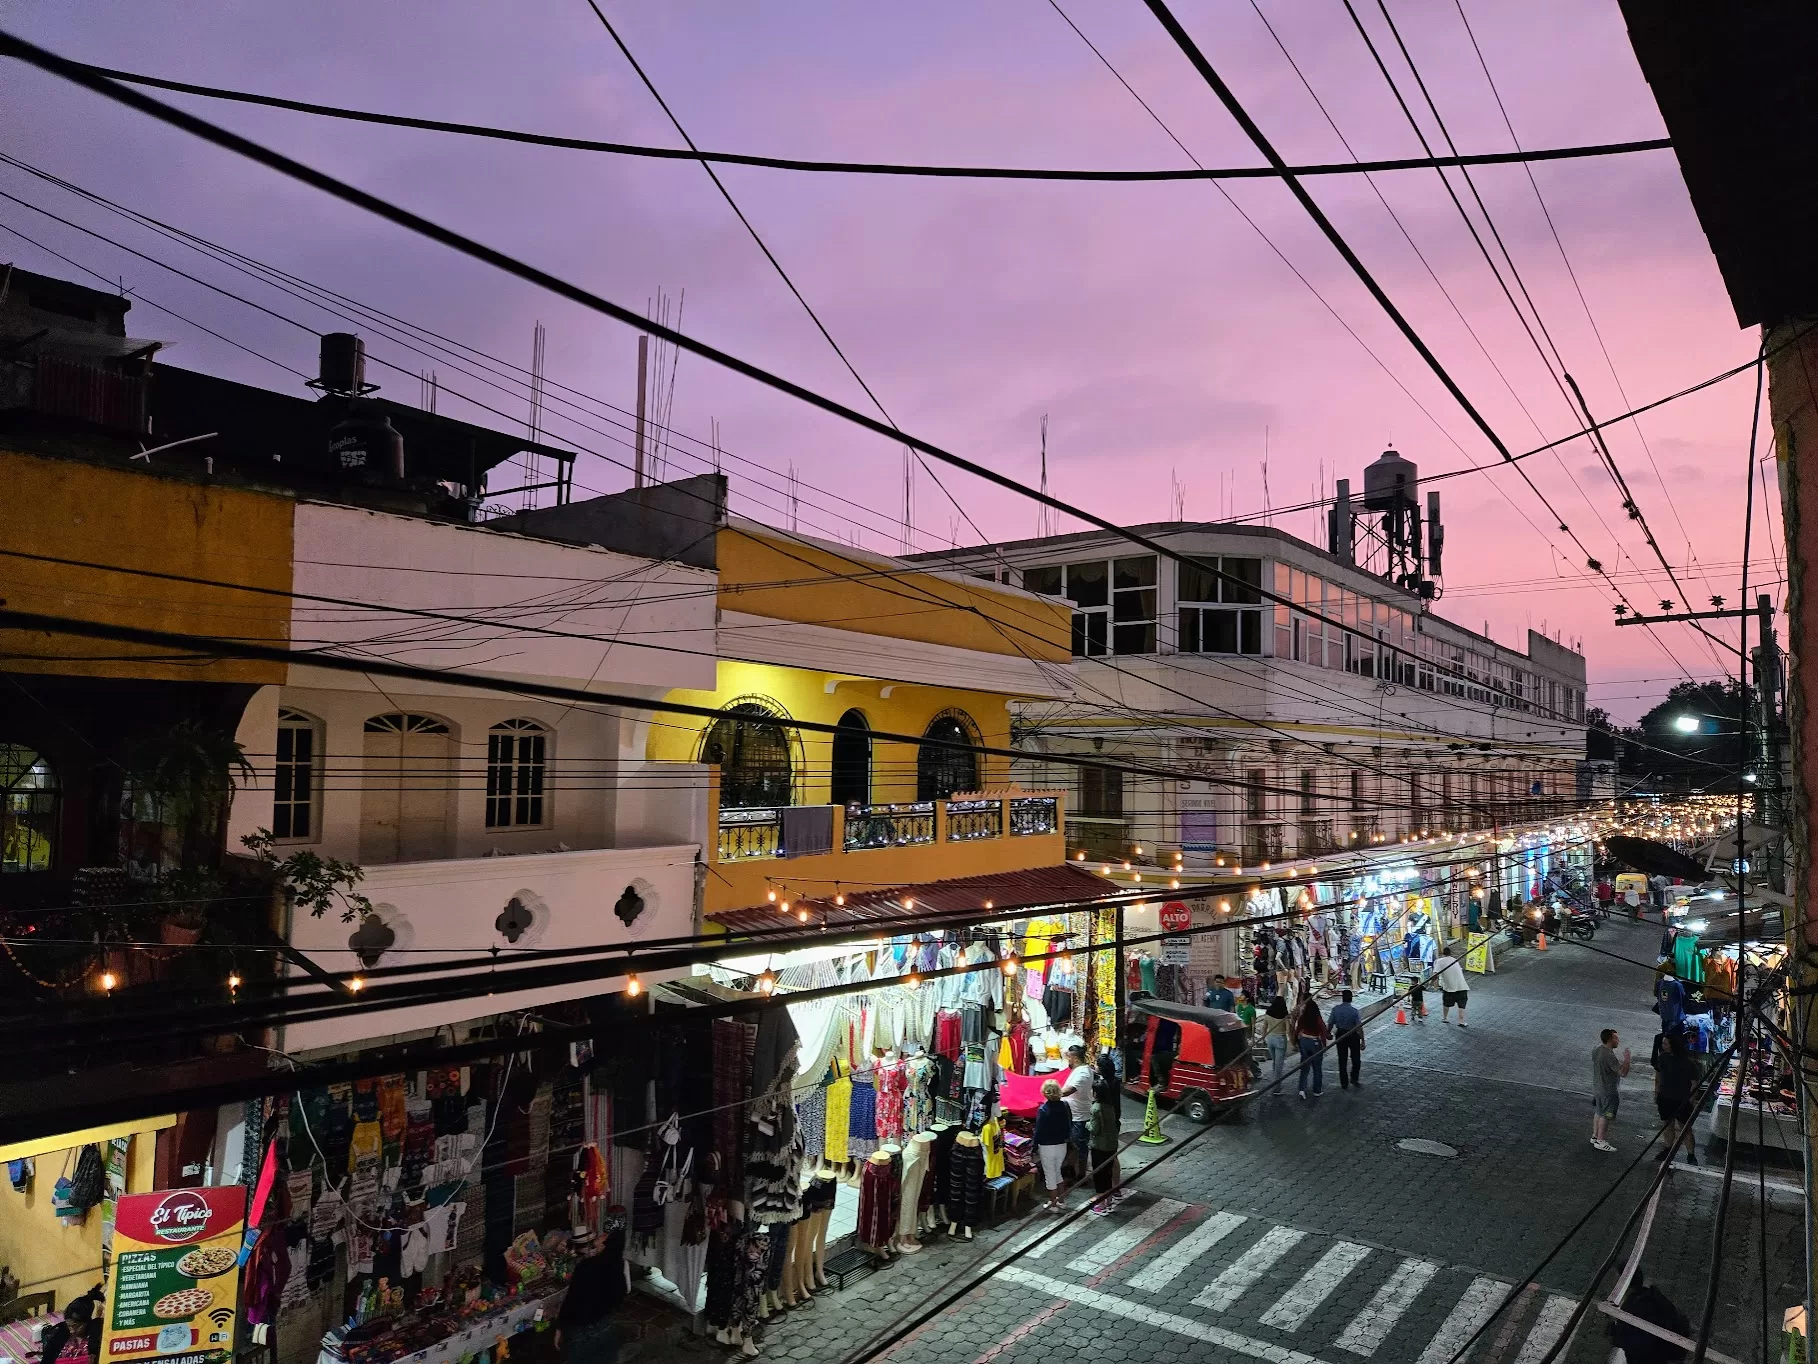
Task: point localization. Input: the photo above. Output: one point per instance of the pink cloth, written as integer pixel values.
(1021, 1094)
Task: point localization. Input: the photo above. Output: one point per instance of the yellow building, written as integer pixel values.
(829, 635)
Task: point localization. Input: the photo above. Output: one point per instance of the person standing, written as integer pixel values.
(1219, 996)
(1454, 990)
(1607, 1070)
(1674, 1081)
(584, 1331)
(1347, 1027)
(1275, 1030)
(1669, 1000)
(1053, 1128)
(1078, 1093)
(1311, 1034)
(1107, 1128)
(1606, 894)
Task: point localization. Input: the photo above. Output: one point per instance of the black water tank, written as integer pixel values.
(343, 363)
(366, 442)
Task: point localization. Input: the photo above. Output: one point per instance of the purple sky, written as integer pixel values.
(1160, 334)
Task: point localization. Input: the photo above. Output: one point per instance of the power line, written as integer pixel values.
(860, 167)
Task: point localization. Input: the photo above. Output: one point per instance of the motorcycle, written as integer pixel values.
(1581, 926)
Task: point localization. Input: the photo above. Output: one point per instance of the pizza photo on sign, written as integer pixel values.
(207, 1262)
(183, 1304)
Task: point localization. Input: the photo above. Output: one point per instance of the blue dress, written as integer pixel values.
(861, 1137)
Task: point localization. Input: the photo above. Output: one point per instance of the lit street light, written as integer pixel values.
(1686, 724)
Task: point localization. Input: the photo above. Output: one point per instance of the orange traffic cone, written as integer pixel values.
(1401, 1014)
(1542, 943)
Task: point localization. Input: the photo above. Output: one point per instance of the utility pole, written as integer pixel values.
(1770, 734)
(637, 478)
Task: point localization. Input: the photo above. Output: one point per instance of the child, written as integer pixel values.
(1053, 1127)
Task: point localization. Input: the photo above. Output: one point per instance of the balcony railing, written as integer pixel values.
(889, 826)
(1034, 815)
(973, 819)
(747, 834)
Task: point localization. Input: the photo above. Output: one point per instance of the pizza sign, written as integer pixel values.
(174, 1290)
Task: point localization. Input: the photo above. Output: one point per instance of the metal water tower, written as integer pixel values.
(1383, 533)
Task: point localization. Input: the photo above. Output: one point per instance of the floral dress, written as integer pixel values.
(892, 1084)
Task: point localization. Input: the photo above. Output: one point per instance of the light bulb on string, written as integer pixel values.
(766, 982)
(802, 914)
(233, 981)
(1010, 964)
(109, 980)
(771, 895)
(357, 984)
(633, 986)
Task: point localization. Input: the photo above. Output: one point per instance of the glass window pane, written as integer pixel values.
(1197, 583)
(1136, 605)
(1088, 584)
(1221, 631)
(1138, 571)
(1045, 580)
(1251, 624)
(1188, 640)
(1135, 639)
(1247, 588)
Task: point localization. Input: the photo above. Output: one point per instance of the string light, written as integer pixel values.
(839, 899)
(772, 896)
(1139, 850)
(1010, 964)
(233, 982)
(357, 984)
(1080, 856)
(108, 980)
(1174, 884)
(913, 980)
(633, 986)
(802, 914)
(766, 982)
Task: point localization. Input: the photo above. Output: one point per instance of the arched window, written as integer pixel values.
(852, 760)
(295, 777)
(515, 754)
(752, 752)
(941, 770)
(28, 810)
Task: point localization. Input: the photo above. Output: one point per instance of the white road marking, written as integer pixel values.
(1079, 1223)
(1247, 1268)
(1128, 1236)
(1548, 1327)
(1315, 1286)
(1370, 1327)
(1473, 1309)
(1166, 1267)
(1164, 1321)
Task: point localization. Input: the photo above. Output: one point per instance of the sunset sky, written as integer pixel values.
(1162, 336)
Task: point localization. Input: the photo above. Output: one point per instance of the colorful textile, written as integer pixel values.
(892, 1086)
(861, 1134)
(839, 1115)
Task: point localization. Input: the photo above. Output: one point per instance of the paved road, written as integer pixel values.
(1305, 1233)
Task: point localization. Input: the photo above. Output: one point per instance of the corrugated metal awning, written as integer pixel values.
(1063, 883)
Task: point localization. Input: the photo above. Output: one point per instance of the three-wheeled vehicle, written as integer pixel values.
(1211, 1065)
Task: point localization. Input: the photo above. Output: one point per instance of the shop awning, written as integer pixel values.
(1062, 883)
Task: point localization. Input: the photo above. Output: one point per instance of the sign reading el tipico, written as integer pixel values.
(174, 1292)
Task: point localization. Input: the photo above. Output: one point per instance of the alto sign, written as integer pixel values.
(1176, 917)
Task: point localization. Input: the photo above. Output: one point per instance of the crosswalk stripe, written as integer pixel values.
(1200, 1331)
(1077, 1224)
(1473, 1310)
(1166, 1267)
(1128, 1236)
(1370, 1327)
(1247, 1268)
(1315, 1286)
(1548, 1327)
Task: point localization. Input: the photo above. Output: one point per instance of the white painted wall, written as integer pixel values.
(451, 908)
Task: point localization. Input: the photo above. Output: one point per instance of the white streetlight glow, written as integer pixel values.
(1686, 724)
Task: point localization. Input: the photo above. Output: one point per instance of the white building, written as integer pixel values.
(1356, 714)
(482, 820)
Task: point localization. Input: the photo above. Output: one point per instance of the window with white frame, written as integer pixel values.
(296, 777)
(516, 754)
(1230, 582)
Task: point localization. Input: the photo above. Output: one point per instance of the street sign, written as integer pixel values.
(1176, 917)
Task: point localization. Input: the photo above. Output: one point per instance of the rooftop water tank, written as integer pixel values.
(1390, 482)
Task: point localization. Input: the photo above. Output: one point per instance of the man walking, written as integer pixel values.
(1607, 1070)
(1454, 990)
(1219, 996)
(1347, 1027)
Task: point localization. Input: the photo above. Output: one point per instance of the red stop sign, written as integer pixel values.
(1176, 917)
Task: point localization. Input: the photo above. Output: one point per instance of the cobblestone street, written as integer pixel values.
(1301, 1231)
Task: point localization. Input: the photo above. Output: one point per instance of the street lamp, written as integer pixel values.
(1686, 724)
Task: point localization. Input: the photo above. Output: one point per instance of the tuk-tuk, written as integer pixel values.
(1210, 1067)
(1631, 889)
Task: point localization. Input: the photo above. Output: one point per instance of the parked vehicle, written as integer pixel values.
(1210, 1067)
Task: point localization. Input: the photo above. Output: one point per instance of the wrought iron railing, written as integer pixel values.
(889, 826)
(973, 819)
(1034, 815)
(748, 834)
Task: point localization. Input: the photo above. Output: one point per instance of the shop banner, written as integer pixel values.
(174, 1292)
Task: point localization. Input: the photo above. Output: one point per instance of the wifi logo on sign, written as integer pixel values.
(222, 1317)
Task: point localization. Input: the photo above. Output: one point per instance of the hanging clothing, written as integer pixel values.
(918, 1094)
(839, 1114)
(991, 1142)
(880, 1191)
(917, 1157)
(892, 1085)
(861, 1133)
(965, 1185)
(811, 1122)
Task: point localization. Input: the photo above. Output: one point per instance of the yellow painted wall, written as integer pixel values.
(138, 520)
(772, 574)
(39, 1250)
(801, 694)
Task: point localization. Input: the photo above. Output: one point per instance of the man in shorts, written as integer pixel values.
(1607, 1070)
(1454, 989)
(1077, 1091)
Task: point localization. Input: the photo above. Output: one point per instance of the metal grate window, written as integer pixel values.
(516, 752)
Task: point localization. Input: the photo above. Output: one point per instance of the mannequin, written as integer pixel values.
(879, 1192)
(965, 1185)
(937, 1171)
(917, 1159)
(797, 1267)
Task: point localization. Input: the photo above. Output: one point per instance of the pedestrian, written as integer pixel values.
(1674, 1080)
(1454, 989)
(1053, 1132)
(1078, 1093)
(1275, 1029)
(1607, 1070)
(1669, 999)
(1246, 1011)
(1107, 1129)
(1219, 996)
(1347, 1026)
(1310, 1034)
(584, 1331)
(1606, 894)
(1417, 997)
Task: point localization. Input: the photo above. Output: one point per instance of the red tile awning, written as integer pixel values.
(1008, 891)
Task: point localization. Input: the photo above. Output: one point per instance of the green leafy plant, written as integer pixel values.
(187, 773)
(317, 883)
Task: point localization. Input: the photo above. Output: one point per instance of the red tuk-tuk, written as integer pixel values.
(1211, 1065)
